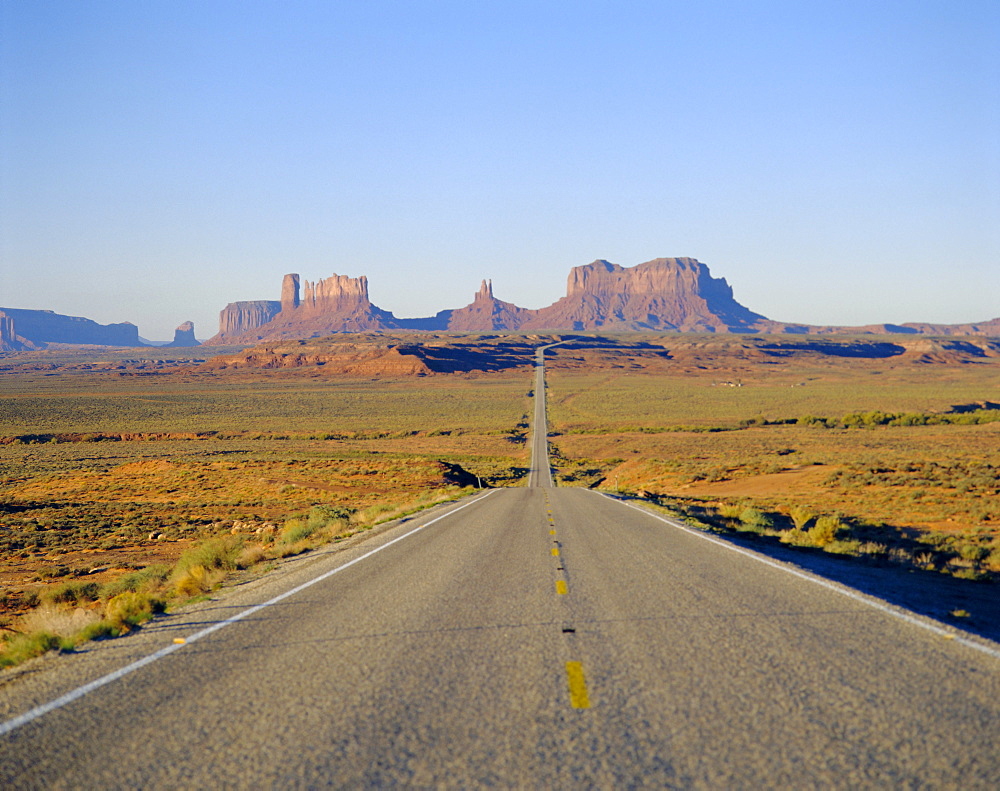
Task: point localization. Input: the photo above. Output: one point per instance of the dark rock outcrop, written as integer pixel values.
(41, 327)
(184, 335)
(9, 339)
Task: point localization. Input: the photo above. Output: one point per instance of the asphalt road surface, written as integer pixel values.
(531, 638)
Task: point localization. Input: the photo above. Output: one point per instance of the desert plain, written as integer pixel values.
(118, 467)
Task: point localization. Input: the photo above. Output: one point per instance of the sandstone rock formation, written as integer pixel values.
(662, 294)
(487, 313)
(334, 304)
(290, 292)
(184, 335)
(668, 294)
(239, 318)
(41, 327)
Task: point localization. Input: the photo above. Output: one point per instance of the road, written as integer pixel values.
(540, 475)
(531, 638)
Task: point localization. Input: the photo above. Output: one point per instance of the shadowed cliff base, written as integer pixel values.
(403, 354)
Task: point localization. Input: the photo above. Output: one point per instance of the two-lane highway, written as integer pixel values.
(540, 475)
(528, 638)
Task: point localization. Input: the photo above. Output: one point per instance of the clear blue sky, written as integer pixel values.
(837, 162)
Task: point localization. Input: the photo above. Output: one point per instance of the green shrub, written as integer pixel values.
(72, 593)
(973, 552)
(296, 530)
(848, 546)
(194, 580)
(22, 647)
(96, 631)
(796, 538)
(755, 521)
(801, 516)
(130, 609)
(215, 553)
(146, 579)
(730, 511)
(825, 530)
(321, 516)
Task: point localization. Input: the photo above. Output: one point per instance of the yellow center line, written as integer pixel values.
(552, 532)
(577, 686)
(555, 552)
(561, 587)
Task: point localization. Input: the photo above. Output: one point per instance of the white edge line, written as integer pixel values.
(86, 689)
(843, 590)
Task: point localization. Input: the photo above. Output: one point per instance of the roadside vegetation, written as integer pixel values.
(897, 462)
(122, 495)
(128, 487)
(75, 610)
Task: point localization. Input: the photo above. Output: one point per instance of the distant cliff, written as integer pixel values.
(665, 294)
(487, 313)
(238, 318)
(184, 336)
(334, 304)
(9, 339)
(40, 327)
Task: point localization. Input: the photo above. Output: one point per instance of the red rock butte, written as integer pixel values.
(663, 294)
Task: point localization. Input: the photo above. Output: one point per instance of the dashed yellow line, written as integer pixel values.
(561, 587)
(555, 552)
(578, 697)
(552, 532)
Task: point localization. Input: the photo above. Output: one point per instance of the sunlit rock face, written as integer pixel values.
(664, 294)
(239, 318)
(486, 313)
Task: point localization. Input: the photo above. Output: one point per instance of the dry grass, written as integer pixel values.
(876, 485)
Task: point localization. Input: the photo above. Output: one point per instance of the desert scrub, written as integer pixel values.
(755, 521)
(801, 516)
(72, 593)
(19, 648)
(205, 565)
(319, 526)
(146, 580)
(131, 608)
(825, 530)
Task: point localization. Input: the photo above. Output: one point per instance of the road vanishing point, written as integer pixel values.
(534, 637)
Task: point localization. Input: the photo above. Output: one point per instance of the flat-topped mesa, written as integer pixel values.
(41, 327)
(335, 294)
(665, 293)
